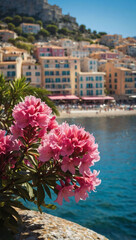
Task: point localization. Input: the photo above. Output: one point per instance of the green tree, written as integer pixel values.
(53, 29)
(17, 20)
(82, 28)
(18, 30)
(40, 23)
(31, 38)
(28, 20)
(63, 31)
(8, 19)
(11, 26)
(43, 32)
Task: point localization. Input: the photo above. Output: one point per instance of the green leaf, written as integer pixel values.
(18, 205)
(47, 191)
(13, 212)
(29, 189)
(50, 206)
(40, 195)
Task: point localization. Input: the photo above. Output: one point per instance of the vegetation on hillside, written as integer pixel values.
(49, 30)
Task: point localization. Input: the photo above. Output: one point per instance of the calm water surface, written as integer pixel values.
(111, 210)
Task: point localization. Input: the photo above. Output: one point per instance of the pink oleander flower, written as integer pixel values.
(7, 146)
(64, 192)
(52, 123)
(73, 145)
(49, 147)
(31, 112)
(87, 183)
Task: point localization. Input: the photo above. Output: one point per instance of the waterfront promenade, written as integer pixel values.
(95, 113)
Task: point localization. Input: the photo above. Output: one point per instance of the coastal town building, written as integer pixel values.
(120, 81)
(95, 48)
(105, 55)
(59, 74)
(91, 83)
(32, 73)
(78, 53)
(89, 65)
(111, 40)
(5, 35)
(30, 28)
(45, 51)
(12, 69)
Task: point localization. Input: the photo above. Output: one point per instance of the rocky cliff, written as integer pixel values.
(39, 9)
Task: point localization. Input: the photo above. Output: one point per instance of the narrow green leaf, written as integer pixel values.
(40, 195)
(47, 191)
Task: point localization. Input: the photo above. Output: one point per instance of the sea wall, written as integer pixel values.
(47, 227)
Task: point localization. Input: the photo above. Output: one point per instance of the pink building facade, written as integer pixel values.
(46, 51)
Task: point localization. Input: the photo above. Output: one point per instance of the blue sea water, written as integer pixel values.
(111, 210)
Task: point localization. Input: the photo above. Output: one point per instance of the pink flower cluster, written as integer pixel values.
(31, 111)
(75, 151)
(7, 146)
(30, 116)
(70, 149)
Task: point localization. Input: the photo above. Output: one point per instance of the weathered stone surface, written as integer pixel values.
(47, 227)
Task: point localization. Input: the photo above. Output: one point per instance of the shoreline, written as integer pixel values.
(96, 113)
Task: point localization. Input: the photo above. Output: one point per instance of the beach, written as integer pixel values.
(96, 113)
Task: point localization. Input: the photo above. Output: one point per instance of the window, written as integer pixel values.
(109, 74)
(97, 92)
(46, 66)
(75, 66)
(28, 73)
(57, 73)
(37, 73)
(115, 80)
(81, 93)
(75, 61)
(89, 85)
(51, 73)
(97, 78)
(97, 85)
(46, 73)
(75, 73)
(57, 66)
(75, 79)
(89, 92)
(81, 79)
(110, 86)
(109, 80)
(76, 86)
(81, 85)
(66, 65)
(63, 73)
(64, 80)
(57, 79)
(115, 86)
(11, 66)
(115, 74)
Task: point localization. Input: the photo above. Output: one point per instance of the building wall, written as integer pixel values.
(32, 73)
(11, 70)
(5, 35)
(30, 28)
(59, 74)
(119, 81)
(91, 84)
(89, 65)
(45, 51)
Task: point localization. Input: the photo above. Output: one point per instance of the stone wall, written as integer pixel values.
(47, 227)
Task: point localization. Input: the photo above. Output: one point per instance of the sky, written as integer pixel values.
(111, 16)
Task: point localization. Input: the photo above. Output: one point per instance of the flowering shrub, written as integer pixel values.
(38, 156)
